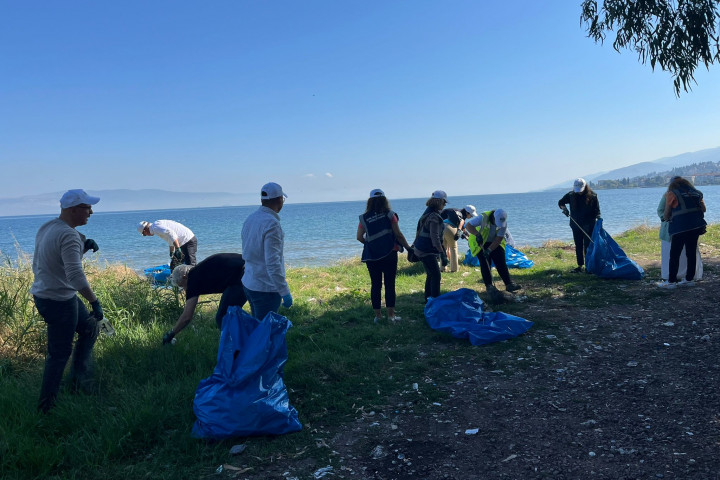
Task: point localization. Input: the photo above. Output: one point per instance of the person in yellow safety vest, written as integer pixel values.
(487, 243)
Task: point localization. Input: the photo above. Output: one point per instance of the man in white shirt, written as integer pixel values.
(59, 277)
(180, 239)
(262, 245)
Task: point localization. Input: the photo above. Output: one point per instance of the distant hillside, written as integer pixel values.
(705, 173)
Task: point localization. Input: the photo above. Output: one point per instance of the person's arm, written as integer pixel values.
(186, 316)
(360, 234)
(273, 246)
(669, 201)
(661, 208)
(596, 207)
(495, 243)
(399, 236)
(702, 205)
(564, 201)
(435, 228)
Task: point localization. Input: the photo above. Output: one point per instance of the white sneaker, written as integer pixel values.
(395, 318)
(686, 283)
(667, 285)
(377, 319)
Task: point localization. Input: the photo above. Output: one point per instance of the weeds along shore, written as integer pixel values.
(340, 362)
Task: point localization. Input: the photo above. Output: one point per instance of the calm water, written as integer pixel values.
(321, 233)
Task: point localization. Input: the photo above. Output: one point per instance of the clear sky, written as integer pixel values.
(328, 98)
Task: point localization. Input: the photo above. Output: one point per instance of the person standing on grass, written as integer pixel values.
(685, 212)
(263, 243)
(219, 273)
(584, 211)
(428, 242)
(181, 240)
(58, 278)
(454, 220)
(380, 234)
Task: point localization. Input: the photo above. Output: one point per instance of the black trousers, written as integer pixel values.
(233, 296)
(582, 242)
(385, 267)
(432, 278)
(689, 240)
(189, 250)
(498, 258)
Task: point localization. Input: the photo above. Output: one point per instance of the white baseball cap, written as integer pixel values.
(470, 209)
(579, 185)
(439, 194)
(141, 226)
(500, 218)
(376, 193)
(271, 190)
(73, 198)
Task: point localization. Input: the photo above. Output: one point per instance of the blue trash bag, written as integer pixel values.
(159, 275)
(606, 259)
(246, 394)
(460, 313)
(513, 257)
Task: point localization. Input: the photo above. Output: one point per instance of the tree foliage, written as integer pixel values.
(676, 35)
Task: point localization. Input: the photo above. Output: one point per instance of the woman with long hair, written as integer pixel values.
(685, 212)
(380, 234)
(584, 210)
(428, 244)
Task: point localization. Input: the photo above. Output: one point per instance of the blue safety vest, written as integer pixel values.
(423, 242)
(379, 236)
(688, 214)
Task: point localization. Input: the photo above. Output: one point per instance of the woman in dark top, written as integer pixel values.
(428, 242)
(381, 237)
(584, 210)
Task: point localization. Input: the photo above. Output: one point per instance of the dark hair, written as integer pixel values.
(436, 203)
(377, 204)
(679, 182)
(588, 192)
(270, 202)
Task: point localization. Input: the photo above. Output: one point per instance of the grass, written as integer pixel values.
(340, 364)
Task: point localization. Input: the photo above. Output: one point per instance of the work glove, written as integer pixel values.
(91, 244)
(287, 301)
(97, 310)
(443, 259)
(167, 338)
(457, 237)
(486, 253)
(177, 254)
(464, 235)
(565, 211)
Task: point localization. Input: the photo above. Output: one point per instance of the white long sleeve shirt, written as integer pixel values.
(57, 262)
(170, 231)
(263, 243)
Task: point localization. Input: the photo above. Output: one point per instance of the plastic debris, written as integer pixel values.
(237, 449)
(321, 472)
(472, 431)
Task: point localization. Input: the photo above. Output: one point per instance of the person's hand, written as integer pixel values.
(97, 310)
(464, 235)
(486, 253)
(287, 301)
(91, 244)
(177, 254)
(565, 211)
(444, 259)
(167, 338)
(457, 237)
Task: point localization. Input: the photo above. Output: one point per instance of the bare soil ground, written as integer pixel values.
(616, 392)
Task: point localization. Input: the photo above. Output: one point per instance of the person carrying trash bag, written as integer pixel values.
(584, 210)
(489, 231)
(428, 242)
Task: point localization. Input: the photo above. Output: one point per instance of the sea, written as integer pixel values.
(321, 234)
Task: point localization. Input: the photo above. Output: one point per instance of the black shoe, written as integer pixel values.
(46, 403)
(577, 270)
(513, 287)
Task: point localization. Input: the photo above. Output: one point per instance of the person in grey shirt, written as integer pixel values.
(59, 277)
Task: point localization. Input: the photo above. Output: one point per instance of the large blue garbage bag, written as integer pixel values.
(606, 259)
(246, 394)
(460, 313)
(159, 275)
(513, 257)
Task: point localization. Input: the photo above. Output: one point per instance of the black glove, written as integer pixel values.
(97, 310)
(167, 338)
(177, 254)
(91, 244)
(565, 211)
(457, 237)
(443, 259)
(486, 253)
(464, 236)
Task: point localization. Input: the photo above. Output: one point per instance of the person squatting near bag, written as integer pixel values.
(181, 240)
(454, 220)
(380, 234)
(58, 278)
(219, 273)
(428, 242)
(488, 244)
(685, 212)
(584, 210)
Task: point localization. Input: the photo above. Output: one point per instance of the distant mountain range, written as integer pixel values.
(645, 168)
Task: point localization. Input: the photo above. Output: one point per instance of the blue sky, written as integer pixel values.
(328, 98)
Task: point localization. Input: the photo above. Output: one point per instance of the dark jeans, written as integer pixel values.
(377, 268)
(582, 242)
(233, 296)
(63, 319)
(689, 240)
(189, 250)
(432, 279)
(262, 302)
(498, 258)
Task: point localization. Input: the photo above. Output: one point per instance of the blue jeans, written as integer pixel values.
(63, 319)
(262, 302)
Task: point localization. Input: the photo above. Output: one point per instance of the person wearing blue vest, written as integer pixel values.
(685, 214)
(428, 242)
(489, 230)
(380, 234)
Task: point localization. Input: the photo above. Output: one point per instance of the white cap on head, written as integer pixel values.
(271, 190)
(376, 193)
(470, 209)
(439, 194)
(500, 218)
(579, 185)
(73, 198)
(141, 226)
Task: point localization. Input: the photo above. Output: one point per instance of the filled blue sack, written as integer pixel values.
(606, 259)
(159, 275)
(246, 394)
(514, 259)
(460, 313)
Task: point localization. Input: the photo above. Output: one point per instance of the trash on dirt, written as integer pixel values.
(509, 458)
(378, 452)
(237, 449)
(632, 364)
(321, 472)
(592, 454)
(472, 431)
(219, 469)
(550, 337)
(669, 324)
(415, 386)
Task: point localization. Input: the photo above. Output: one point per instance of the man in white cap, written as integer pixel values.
(262, 248)
(180, 239)
(59, 277)
(584, 211)
(488, 244)
(454, 220)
